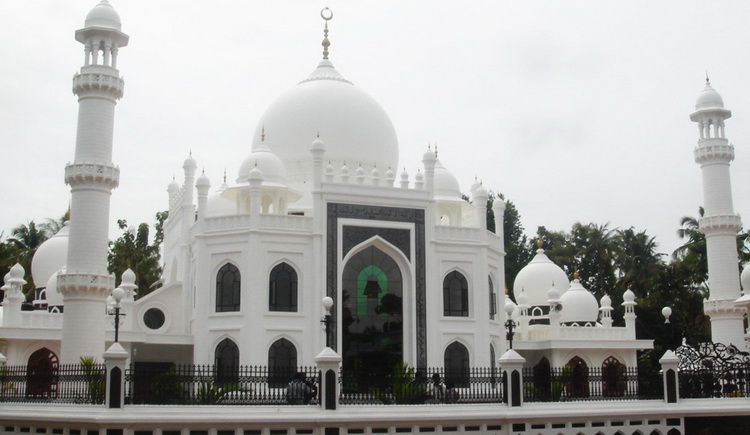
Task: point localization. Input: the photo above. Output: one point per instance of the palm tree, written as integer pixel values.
(691, 256)
(25, 240)
(637, 261)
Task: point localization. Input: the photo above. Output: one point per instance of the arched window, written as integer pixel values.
(455, 295)
(613, 377)
(456, 362)
(228, 288)
(282, 362)
(41, 374)
(282, 288)
(493, 299)
(227, 361)
(578, 377)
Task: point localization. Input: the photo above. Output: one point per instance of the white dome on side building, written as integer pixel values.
(446, 184)
(537, 277)
(578, 305)
(274, 172)
(51, 256)
(54, 298)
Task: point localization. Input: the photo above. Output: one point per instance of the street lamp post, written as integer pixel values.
(117, 295)
(510, 324)
(667, 312)
(327, 320)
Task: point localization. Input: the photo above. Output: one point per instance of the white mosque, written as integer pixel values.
(319, 209)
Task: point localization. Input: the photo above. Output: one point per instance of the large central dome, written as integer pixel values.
(353, 126)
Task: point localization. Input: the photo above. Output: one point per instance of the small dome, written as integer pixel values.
(481, 192)
(103, 15)
(173, 187)
(274, 172)
(51, 256)
(628, 297)
(317, 145)
(54, 298)
(446, 184)
(745, 279)
(217, 205)
(360, 172)
(189, 162)
(203, 181)
(523, 300)
(429, 155)
(606, 301)
(553, 295)
(578, 304)
(709, 99)
(537, 277)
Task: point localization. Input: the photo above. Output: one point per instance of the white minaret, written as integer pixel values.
(86, 284)
(720, 224)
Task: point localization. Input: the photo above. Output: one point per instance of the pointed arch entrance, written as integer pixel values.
(41, 374)
(372, 311)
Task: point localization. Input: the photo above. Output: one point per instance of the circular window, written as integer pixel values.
(154, 318)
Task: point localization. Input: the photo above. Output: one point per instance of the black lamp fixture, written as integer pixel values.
(372, 289)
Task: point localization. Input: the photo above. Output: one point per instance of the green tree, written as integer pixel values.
(134, 250)
(692, 254)
(637, 261)
(517, 252)
(23, 242)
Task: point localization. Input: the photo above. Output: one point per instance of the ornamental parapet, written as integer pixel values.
(719, 307)
(83, 173)
(98, 82)
(710, 151)
(720, 223)
(85, 284)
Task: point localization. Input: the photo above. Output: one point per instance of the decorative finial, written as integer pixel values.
(263, 133)
(708, 82)
(539, 242)
(317, 135)
(576, 274)
(436, 149)
(225, 175)
(326, 14)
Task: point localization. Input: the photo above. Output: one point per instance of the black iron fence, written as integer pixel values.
(64, 383)
(212, 385)
(707, 382)
(578, 383)
(259, 385)
(406, 386)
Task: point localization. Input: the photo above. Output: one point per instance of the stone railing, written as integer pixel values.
(83, 284)
(41, 320)
(713, 150)
(445, 232)
(223, 223)
(286, 222)
(727, 222)
(98, 82)
(79, 173)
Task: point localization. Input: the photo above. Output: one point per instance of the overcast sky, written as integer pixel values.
(575, 110)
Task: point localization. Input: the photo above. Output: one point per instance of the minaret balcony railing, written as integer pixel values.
(714, 151)
(85, 284)
(718, 307)
(98, 82)
(720, 223)
(104, 175)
